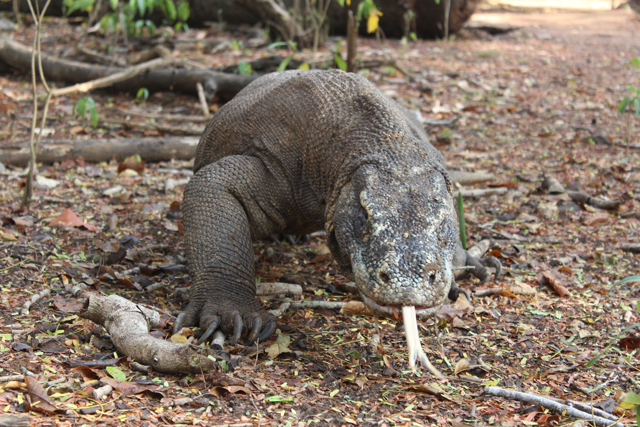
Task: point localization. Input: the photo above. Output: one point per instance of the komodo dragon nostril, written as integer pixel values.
(430, 272)
(383, 277)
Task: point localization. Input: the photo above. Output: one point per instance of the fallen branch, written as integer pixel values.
(465, 178)
(27, 305)
(634, 248)
(482, 192)
(99, 58)
(596, 202)
(223, 85)
(550, 404)
(128, 325)
(121, 76)
(154, 149)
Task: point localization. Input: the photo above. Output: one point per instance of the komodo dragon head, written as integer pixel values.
(398, 230)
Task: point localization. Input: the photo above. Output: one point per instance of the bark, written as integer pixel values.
(153, 149)
(128, 325)
(224, 85)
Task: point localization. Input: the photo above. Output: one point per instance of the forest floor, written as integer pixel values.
(539, 100)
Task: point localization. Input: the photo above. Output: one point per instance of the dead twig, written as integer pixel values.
(596, 202)
(203, 101)
(550, 404)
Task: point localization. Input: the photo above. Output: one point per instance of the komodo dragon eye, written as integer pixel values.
(362, 223)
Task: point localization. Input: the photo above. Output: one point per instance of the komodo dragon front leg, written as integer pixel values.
(225, 205)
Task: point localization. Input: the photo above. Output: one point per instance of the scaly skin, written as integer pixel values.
(299, 151)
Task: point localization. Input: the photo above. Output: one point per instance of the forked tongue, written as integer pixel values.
(413, 342)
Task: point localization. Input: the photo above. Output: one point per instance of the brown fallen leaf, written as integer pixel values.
(69, 218)
(598, 218)
(127, 387)
(629, 343)
(355, 308)
(550, 279)
(39, 401)
(461, 366)
(133, 163)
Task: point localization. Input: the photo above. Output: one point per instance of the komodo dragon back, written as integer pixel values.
(300, 151)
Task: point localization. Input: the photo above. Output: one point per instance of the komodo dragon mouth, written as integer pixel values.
(393, 311)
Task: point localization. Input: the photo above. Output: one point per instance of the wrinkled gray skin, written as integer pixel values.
(299, 151)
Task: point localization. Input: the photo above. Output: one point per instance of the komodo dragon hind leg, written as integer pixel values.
(225, 205)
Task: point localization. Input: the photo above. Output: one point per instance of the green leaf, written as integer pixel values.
(94, 117)
(170, 10)
(635, 62)
(636, 106)
(113, 4)
(304, 66)
(413, 36)
(151, 27)
(142, 7)
(277, 44)
(244, 68)
(340, 62)
(116, 373)
(632, 398)
(463, 227)
(283, 65)
(611, 343)
(183, 11)
(622, 106)
(80, 107)
(359, 11)
(627, 280)
(143, 93)
(277, 399)
(79, 5)
(341, 3)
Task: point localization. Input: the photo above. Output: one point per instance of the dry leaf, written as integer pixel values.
(68, 218)
(355, 308)
(461, 366)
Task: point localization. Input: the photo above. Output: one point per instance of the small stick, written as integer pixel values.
(101, 392)
(352, 43)
(27, 305)
(550, 404)
(203, 101)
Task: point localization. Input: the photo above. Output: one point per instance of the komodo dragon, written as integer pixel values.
(298, 151)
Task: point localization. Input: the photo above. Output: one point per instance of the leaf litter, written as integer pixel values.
(517, 100)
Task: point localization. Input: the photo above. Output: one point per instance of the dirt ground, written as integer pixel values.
(539, 100)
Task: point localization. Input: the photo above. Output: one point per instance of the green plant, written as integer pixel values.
(633, 99)
(632, 400)
(127, 17)
(86, 105)
(462, 224)
(244, 68)
(337, 57)
(143, 94)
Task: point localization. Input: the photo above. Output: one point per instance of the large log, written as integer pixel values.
(154, 149)
(224, 85)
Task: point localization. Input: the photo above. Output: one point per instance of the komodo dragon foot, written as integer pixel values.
(476, 267)
(230, 318)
